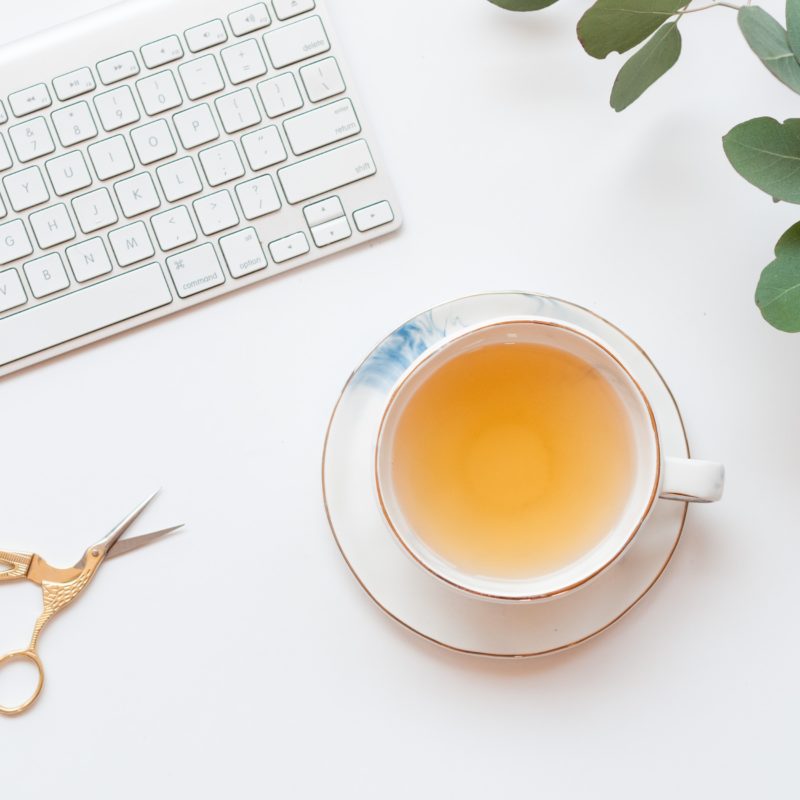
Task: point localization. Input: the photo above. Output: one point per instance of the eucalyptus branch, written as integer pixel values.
(763, 151)
(721, 4)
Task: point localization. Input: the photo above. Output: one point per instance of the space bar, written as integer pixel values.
(82, 312)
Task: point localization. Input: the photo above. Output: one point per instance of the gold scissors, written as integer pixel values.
(60, 587)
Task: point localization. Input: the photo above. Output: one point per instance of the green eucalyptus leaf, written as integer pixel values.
(770, 43)
(778, 292)
(793, 25)
(523, 5)
(618, 25)
(646, 66)
(767, 153)
(789, 242)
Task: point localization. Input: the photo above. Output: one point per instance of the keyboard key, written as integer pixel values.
(30, 100)
(94, 210)
(164, 51)
(196, 126)
(280, 95)
(5, 156)
(89, 260)
(263, 148)
(284, 9)
(153, 142)
(242, 252)
(26, 189)
(323, 126)
(258, 197)
(209, 34)
(195, 270)
(331, 232)
(238, 111)
(12, 293)
(116, 108)
(74, 124)
(201, 77)
(243, 61)
(31, 139)
(373, 216)
(326, 172)
(118, 68)
(52, 226)
(91, 309)
(159, 92)
(216, 213)
(322, 80)
(249, 19)
(14, 242)
(296, 42)
(221, 163)
(174, 228)
(289, 247)
(323, 211)
(168, 148)
(111, 157)
(179, 179)
(74, 84)
(46, 275)
(131, 244)
(137, 194)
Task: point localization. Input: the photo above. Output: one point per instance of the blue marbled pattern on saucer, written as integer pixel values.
(399, 350)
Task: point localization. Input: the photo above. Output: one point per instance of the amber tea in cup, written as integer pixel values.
(513, 459)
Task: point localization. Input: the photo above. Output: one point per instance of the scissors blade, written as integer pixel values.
(125, 546)
(116, 534)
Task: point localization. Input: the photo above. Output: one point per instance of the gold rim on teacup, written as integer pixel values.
(683, 488)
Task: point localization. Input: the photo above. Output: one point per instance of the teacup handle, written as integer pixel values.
(693, 481)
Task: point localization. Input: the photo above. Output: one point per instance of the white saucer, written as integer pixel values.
(409, 593)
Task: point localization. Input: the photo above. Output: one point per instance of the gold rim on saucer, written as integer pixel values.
(366, 373)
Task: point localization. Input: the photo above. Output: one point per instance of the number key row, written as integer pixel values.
(74, 124)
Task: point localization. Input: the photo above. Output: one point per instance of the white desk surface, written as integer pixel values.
(242, 659)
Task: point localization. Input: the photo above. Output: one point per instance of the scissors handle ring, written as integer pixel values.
(32, 657)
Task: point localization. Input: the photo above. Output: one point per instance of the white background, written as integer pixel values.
(242, 659)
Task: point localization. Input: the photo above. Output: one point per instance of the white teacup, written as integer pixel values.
(655, 475)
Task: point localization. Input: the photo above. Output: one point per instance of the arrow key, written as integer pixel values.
(289, 247)
(331, 232)
(373, 216)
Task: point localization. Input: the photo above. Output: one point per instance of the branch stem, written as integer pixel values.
(720, 4)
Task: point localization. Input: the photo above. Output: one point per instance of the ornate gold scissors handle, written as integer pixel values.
(60, 587)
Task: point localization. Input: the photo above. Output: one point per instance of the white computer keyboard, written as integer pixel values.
(164, 152)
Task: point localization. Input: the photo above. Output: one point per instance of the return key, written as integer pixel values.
(323, 126)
